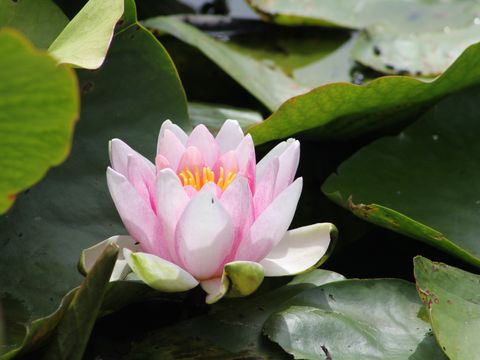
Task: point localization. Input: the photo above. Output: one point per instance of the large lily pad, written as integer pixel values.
(416, 15)
(420, 54)
(452, 297)
(424, 182)
(38, 108)
(345, 110)
(355, 319)
(129, 97)
(85, 40)
(73, 331)
(254, 75)
(39, 20)
(234, 327)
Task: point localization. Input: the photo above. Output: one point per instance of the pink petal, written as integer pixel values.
(289, 160)
(229, 136)
(161, 162)
(119, 152)
(171, 201)
(191, 159)
(171, 148)
(179, 133)
(265, 189)
(204, 236)
(228, 161)
(213, 189)
(204, 141)
(275, 152)
(237, 201)
(142, 178)
(269, 228)
(246, 160)
(137, 216)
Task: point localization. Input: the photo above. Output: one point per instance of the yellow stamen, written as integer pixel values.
(198, 178)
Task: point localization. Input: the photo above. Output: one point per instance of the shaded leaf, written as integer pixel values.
(38, 108)
(345, 110)
(234, 328)
(420, 54)
(214, 115)
(423, 182)
(452, 297)
(85, 40)
(256, 76)
(355, 319)
(129, 97)
(416, 15)
(73, 331)
(39, 20)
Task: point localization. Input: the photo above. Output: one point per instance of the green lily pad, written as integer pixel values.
(416, 15)
(232, 330)
(423, 182)
(420, 54)
(71, 335)
(214, 115)
(38, 108)
(254, 75)
(39, 20)
(346, 110)
(452, 297)
(85, 40)
(129, 97)
(355, 319)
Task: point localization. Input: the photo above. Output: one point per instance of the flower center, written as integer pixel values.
(197, 178)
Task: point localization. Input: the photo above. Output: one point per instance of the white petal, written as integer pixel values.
(275, 152)
(119, 153)
(272, 224)
(171, 200)
(204, 236)
(158, 273)
(215, 289)
(229, 136)
(299, 250)
(288, 162)
(90, 255)
(177, 130)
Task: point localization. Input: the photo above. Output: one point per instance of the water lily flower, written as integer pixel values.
(205, 213)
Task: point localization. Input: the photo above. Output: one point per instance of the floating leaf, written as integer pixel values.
(213, 115)
(355, 319)
(85, 40)
(232, 330)
(452, 297)
(257, 77)
(416, 15)
(128, 98)
(421, 54)
(73, 331)
(345, 110)
(38, 108)
(422, 183)
(39, 20)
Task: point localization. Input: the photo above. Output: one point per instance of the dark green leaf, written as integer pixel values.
(424, 182)
(452, 297)
(129, 97)
(345, 110)
(39, 20)
(233, 330)
(73, 331)
(355, 320)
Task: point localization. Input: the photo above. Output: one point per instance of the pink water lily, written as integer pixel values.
(206, 213)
